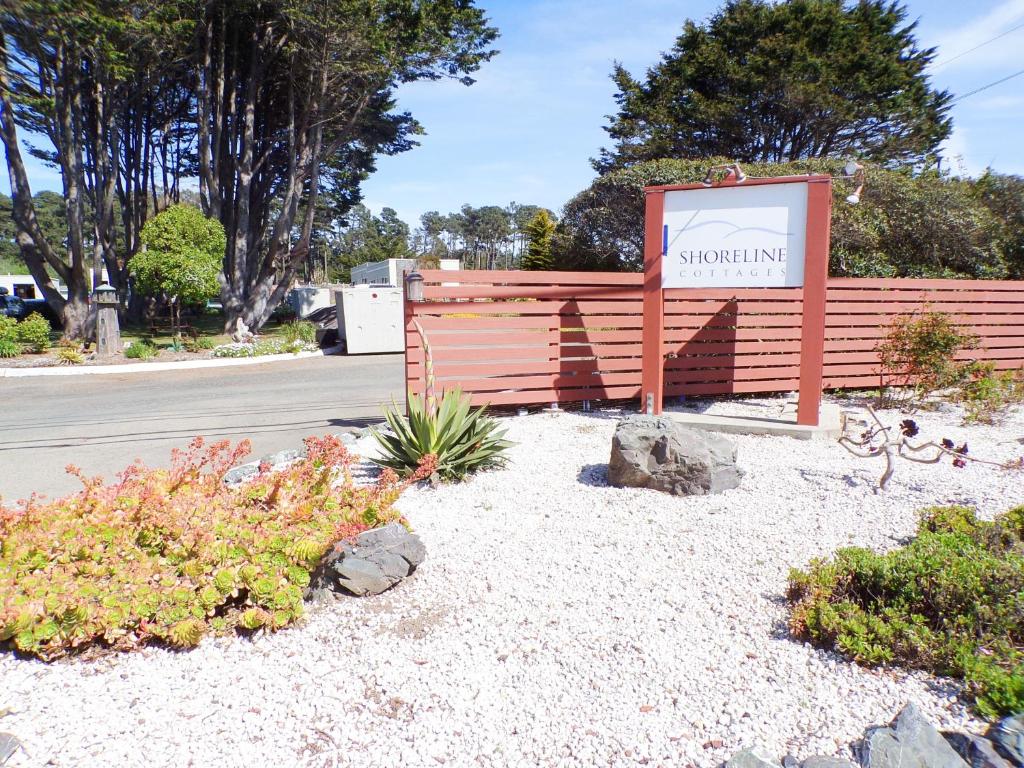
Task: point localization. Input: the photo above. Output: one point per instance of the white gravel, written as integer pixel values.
(556, 622)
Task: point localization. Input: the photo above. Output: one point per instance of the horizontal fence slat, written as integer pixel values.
(514, 338)
(526, 277)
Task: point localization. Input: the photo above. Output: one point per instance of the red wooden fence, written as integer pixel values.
(540, 337)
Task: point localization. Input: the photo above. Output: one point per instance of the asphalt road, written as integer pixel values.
(102, 423)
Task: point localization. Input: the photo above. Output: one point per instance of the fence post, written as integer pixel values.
(812, 330)
(652, 387)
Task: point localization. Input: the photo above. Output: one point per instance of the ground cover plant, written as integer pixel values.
(987, 394)
(141, 349)
(262, 347)
(950, 602)
(462, 438)
(169, 555)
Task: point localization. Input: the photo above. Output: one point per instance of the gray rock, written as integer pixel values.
(375, 562)
(241, 472)
(656, 452)
(909, 741)
(1008, 737)
(819, 761)
(282, 457)
(976, 751)
(9, 744)
(751, 758)
(394, 538)
(363, 577)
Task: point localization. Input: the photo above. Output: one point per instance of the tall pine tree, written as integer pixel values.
(775, 82)
(540, 232)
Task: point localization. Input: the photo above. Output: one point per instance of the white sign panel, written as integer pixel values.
(735, 237)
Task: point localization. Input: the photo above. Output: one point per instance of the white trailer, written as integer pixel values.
(370, 318)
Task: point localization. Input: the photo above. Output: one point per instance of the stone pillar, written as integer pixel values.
(108, 332)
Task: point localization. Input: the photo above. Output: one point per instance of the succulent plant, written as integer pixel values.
(462, 438)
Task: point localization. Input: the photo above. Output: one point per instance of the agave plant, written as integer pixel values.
(462, 438)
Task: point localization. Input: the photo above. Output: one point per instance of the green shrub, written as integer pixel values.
(988, 394)
(463, 439)
(69, 356)
(140, 349)
(8, 329)
(170, 555)
(200, 343)
(9, 348)
(34, 333)
(950, 602)
(918, 355)
(299, 330)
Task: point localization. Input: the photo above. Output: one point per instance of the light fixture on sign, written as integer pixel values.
(854, 170)
(732, 171)
(414, 286)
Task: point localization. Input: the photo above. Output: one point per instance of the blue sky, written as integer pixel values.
(526, 130)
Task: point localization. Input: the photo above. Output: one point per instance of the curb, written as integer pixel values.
(181, 365)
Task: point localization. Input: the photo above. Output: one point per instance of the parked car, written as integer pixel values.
(12, 306)
(43, 308)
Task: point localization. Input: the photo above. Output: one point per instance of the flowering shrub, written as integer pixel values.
(263, 347)
(170, 555)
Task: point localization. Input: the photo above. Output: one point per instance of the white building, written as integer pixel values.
(24, 287)
(389, 272)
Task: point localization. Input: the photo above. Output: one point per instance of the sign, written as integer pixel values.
(735, 236)
(759, 233)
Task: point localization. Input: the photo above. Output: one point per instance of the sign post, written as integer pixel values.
(749, 233)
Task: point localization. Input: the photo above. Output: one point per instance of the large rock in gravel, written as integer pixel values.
(8, 746)
(377, 561)
(656, 452)
(909, 741)
(976, 751)
(1008, 737)
(827, 762)
(751, 758)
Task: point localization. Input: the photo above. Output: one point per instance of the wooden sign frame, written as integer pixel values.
(816, 253)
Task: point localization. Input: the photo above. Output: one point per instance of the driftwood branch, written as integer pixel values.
(899, 446)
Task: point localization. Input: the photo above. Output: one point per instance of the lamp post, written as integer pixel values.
(108, 332)
(414, 286)
(414, 293)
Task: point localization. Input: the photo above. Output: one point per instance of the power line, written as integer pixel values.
(947, 62)
(963, 96)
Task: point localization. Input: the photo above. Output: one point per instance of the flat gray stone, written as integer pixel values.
(656, 452)
(910, 741)
(395, 539)
(282, 457)
(976, 751)
(1008, 737)
(241, 473)
(9, 744)
(751, 758)
(375, 562)
(819, 761)
(362, 577)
